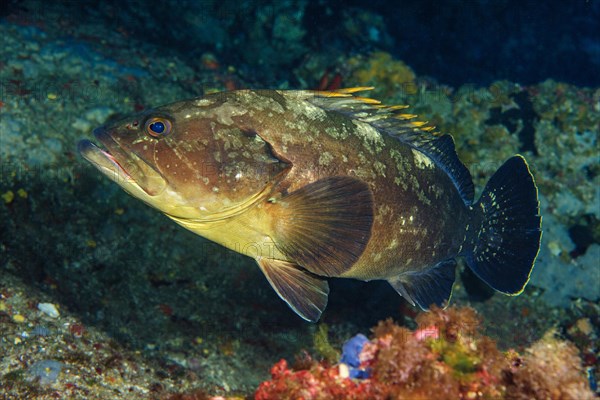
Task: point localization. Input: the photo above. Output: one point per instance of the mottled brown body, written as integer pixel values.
(248, 169)
(419, 217)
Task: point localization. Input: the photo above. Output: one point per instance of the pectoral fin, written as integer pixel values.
(433, 286)
(326, 225)
(304, 292)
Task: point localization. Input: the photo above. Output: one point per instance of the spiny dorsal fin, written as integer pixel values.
(326, 225)
(443, 152)
(416, 134)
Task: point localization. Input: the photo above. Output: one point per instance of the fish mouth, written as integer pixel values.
(122, 165)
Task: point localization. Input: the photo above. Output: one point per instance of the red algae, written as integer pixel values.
(445, 358)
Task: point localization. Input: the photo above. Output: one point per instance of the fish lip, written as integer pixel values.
(121, 164)
(99, 157)
(112, 147)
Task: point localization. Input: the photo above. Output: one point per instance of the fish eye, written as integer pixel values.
(158, 127)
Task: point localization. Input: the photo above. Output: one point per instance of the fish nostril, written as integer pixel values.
(99, 132)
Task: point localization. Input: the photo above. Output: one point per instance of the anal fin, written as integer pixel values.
(303, 291)
(433, 286)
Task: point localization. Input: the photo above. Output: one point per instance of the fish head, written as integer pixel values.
(187, 161)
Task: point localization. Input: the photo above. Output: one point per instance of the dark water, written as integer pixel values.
(482, 41)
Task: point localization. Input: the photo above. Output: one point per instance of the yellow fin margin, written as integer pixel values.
(376, 104)
(355, 89)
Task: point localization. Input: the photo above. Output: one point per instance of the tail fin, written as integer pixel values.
(508, 241)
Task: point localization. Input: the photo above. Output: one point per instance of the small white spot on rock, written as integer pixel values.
(344, 371)
(49, 309)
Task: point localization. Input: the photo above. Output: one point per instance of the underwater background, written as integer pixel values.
(102, 297)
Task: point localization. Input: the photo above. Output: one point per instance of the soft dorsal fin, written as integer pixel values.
(326, 225)
(416, 134)
(304, 292)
